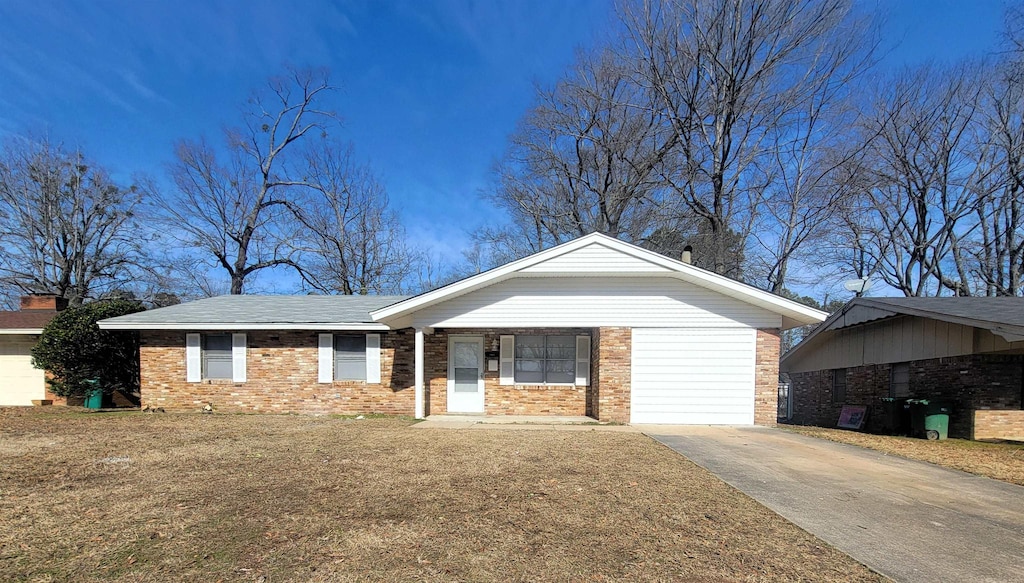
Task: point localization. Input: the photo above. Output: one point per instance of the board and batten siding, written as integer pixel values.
(640, 301)
(900, 339)
(594, 258)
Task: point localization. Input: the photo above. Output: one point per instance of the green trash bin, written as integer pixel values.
(929, 419)
(93, 398)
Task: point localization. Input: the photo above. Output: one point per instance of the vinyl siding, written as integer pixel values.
(595, 258)
(20, 382)
(657, 302)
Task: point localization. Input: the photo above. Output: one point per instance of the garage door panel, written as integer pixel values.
(693, 376)
(692, 418)
(20, 382)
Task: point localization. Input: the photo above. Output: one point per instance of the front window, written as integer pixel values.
(545, 359)
(350, 357)
(217, 356)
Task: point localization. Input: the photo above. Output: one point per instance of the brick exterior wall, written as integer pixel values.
(611, 355)
(570, 400)
(766, 377)
(281, 372)
(971, 383)
(991, 424)
(282, 377)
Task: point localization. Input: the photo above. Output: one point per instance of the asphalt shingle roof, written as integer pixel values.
(26, 319)
(999, 311)
(243, 309)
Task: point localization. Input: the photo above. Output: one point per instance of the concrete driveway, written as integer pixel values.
(908, 520)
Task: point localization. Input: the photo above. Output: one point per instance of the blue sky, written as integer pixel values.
(431, 89)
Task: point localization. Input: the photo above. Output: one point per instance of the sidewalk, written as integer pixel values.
(523, 422)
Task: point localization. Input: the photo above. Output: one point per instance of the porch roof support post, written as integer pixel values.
(418, 388)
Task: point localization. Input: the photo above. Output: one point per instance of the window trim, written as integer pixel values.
(544, 361)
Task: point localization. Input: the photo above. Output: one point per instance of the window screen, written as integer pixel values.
(899, 382)
(217, 356)
(839, 385)
(350, 358)
(545, 359)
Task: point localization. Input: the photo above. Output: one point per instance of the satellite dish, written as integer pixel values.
(858, 286)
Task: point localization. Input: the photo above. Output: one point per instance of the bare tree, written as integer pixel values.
(999, 254)
(235, 214)
(585, 159)
(925, 163)
(730, 76)
(351, 242)
(65, 227)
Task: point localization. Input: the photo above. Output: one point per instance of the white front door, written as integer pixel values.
(466, 374)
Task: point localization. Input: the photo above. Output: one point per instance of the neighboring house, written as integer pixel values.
(969, 351)
(20, 382)
(592, 327)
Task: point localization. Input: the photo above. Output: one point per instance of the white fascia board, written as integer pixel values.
(105, 325)
(480, 280)
(719, 283)
(21, 331)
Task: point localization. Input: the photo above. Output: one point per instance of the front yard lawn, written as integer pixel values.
(134, 497)
(1001, 461)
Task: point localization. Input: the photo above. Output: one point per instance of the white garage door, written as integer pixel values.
(693, 376)
(20, 382)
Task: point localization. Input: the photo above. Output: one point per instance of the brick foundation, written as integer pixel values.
(979, 383)
(282, 377)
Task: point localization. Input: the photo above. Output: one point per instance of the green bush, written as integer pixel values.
(74, 350)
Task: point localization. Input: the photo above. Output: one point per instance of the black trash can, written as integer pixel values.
(895, 416)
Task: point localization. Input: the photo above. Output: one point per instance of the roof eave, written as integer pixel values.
(1007, 331)
(784, 307)
(13, 331)
(357, 326)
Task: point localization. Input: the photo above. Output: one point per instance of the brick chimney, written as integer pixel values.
(40, 302)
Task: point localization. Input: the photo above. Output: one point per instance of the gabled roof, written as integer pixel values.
(1003, 316)
(241, 312)
(25, 321)
(648, 263)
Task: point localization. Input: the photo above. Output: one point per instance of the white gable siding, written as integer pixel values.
(595, 258)
(656, 302)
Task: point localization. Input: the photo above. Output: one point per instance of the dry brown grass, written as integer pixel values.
(1001, 461)
(133, 497)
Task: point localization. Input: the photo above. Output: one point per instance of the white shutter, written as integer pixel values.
(193, 359)
(508, 360)
(373, 358)
(325, 364)
(583, 361)
(238, 357)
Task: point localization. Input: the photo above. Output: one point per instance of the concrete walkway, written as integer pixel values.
(525, 422)
(911, 521)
